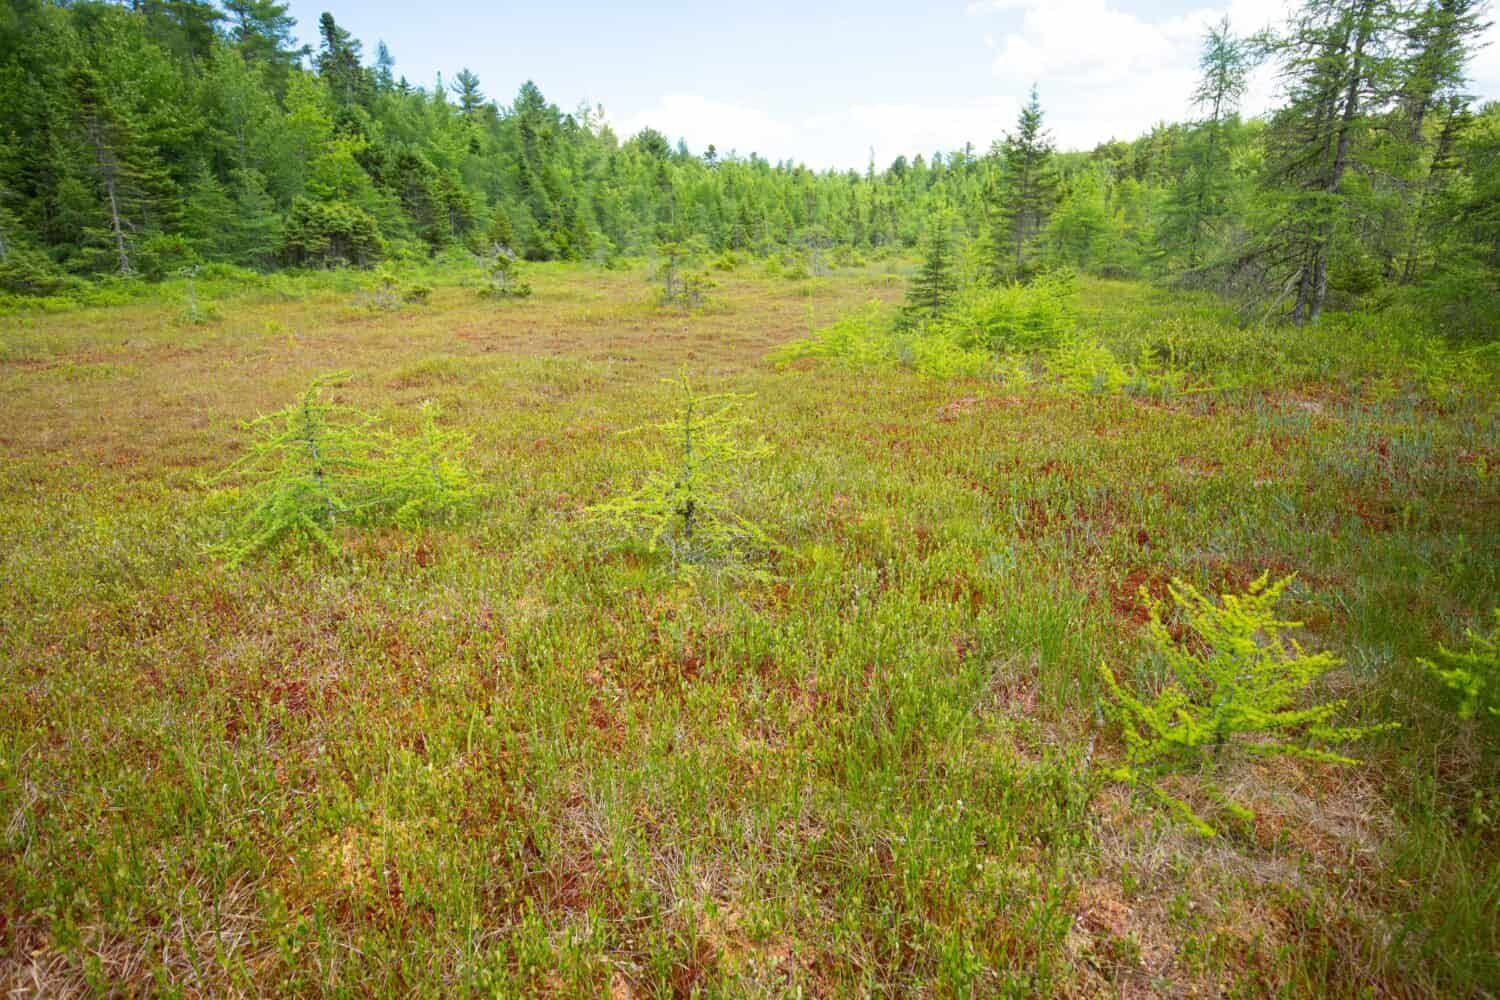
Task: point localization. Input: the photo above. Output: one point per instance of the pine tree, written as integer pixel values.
(263, 32)
(1026, 196)
(465, 87)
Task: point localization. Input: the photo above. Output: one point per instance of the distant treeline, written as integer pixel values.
(142, 138)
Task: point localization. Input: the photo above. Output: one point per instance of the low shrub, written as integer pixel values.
(1236, 683)
(317, 465)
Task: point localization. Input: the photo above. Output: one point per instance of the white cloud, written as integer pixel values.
(701, 121)
(1103, 71)
(841, 140)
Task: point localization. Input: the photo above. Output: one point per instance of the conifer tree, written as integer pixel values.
(1026, 196)
(116, 154)
(1339, 60)
(465, 87)
(339, 63)
(1438, 41)
(936, 281)
(1198, 201)
(263, 32)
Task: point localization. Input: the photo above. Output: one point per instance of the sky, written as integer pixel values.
(825, 83)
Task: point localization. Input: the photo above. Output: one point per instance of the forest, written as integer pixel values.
(449, 548)
(145, 137)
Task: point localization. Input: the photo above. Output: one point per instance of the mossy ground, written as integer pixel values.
(508, 757)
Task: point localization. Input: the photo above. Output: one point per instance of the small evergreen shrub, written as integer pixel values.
(501, 275)
(1472, 674)
(871, 338)
(686, 502)
(317, 465)
(1237, 681)
(389, 294)
(682, 285)
(423, 478)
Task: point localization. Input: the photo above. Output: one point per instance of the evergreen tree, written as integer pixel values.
(1026, 196)
(1439, 40)
(465, 87)
(339, 63)
(936, 281)
(112, 143)
(262, 31)
(1340, 62)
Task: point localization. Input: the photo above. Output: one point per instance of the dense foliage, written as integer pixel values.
(140, 138)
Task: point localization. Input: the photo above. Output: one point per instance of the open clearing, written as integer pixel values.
(506, 757)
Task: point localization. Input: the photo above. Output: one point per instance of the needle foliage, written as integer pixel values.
(1238, 689)
(317, 465)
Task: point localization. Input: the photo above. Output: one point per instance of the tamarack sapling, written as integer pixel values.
(1237, 679)
(685, 503)
(317, 465)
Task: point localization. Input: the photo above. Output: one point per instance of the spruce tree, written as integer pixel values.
(338, 63)
(465, 87)
(1026, 196)
(936, 281)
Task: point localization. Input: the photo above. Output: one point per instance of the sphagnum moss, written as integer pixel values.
(487, 755)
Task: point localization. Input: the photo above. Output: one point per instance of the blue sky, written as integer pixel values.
(824, 82)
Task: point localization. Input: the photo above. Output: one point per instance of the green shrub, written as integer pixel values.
(162, 254)
(1015, 317)
(389, 294)
(682, 284)
(686, 502)
(1472, 674)
(423, 478)
(871, 338)
(325, 234)
(317, 465)
(1237, 679)
(502, 277)
(31, 272)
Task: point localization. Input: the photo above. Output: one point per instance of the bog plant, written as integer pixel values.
(390, 293)
(317, 465)
(682, 285)
(1472, 674)
(1237, 691)
(1035, 316)
(686, 502)
(502, 277)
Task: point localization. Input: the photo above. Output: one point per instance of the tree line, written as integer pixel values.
(140, 138)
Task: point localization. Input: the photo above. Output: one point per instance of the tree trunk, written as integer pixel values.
(1317, 276)
(107, 176)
